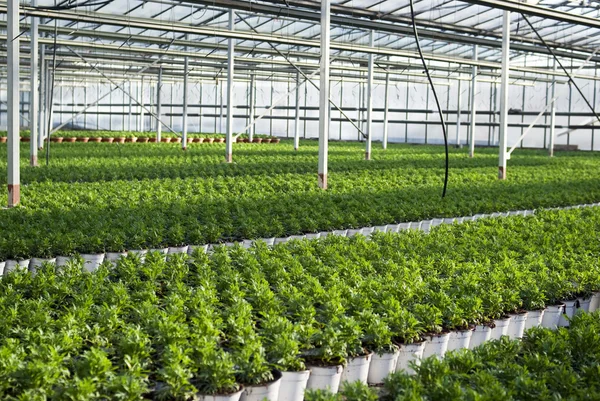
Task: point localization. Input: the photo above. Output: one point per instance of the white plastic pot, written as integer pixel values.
(517, 325)
(481, 334)
(313, 235)
(393, 228)
(382, 366)
(584, 304)
(595, 303)
(162, 251)
(343, 233)
(534, 319)
(367, 231)
(281, 240)
(459, 340)
(140, 252)
(409, 353)
(324, 234)
(11, 265)
(382, 229)
(352, 232)
(269, 241)
(62, 260)
(178, 249)
(91, 262)
(293, 385)
(552, 316)
(436, 345)
(2, 264)
(501, 328)
(357, 369)
(269, 391)
(229, 397)
(35, 263)
(113, 257)
(325, 378)
(569, 312)
(297, 237)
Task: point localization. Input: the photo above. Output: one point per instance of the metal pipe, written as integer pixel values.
(297, 114)
(370, 98)
(324, 108)
(473, 105)
(34, 92)
(12, 99)
(252, 108)
(458, 113)
(504, 95)
(230, 72)
(386, 110)
(552, 118)
(159, 105)
(184, 128)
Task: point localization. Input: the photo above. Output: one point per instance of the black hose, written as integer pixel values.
(561, 66)
(437, 102)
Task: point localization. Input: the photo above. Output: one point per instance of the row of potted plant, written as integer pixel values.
(544, 365)
(321, 311)
(87, 196)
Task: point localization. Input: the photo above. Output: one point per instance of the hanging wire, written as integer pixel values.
(435, 96)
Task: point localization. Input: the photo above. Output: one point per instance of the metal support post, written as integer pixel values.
(230, 72)
(184, 123)
(297, 114)
(473, 105)
(34, 92)
(552, 116)
(324, 108)
(12, 101)
(370, 70)
(458, 112)
(251, 105)
(386, 111)
(142, 106)
(42, 98)
(504, 95)
(159, 105)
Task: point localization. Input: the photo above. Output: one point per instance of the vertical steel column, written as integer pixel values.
(504, 95)
(34, 92)
(570, 108)
(129, 124)
(159, 105)
(252, 110)
(184, 123)
(341, 126)
(42, 98)
(426, 113)
(324, 109)
(230, 72)
(594, 105)
(305, 109)
(360, 104)
(473, 106)
(406, 115)
(297, 115)
(271, 112)
(216, 105)
(370, 88)
(386, 110)
(85, 103)
(458, 111)
(12, 102)
(552, 115)
(142, 114)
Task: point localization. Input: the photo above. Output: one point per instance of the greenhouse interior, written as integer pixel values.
(338, 200)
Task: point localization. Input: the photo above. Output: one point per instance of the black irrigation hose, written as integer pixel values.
(561, 66)
(437, 102)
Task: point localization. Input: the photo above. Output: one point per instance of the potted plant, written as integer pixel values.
(120, 139)
(326, 359)
(115, 248)
(18, 253)
(214, 372)
(176, 239)
(108, 139)
(254, 373)
(406, 333)
(42, 248)
(358, 359)
(91, 249)
(378, 339)
(83, 139)
(165, 139)
(3, 138)
(282, 345)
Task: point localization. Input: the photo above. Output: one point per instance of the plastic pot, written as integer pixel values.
(409, 353)
(209, 140)
(552, 315)
(91, 262)
(107, 140)
(219, 140)
(325, 378)
(313, 235)
(501, 328)
(113, 257)
(178, 249)
(534, 319)
(70, 140)
(83, 139)
(595, 302)
(3, 139)
(367, 231)
(165, 140)
(357, 369)
(459, 340)
(342, 233)
(144, 140)
(120, 139)
(256, 140)
(162, 251)
(293, 385)
(2, 264)
(352, 232)
(11, 265)
(481, 334)
(569, 312)
(192, 248)
(517, 325)
(140, 252)
(62, 260)
(382, 366)
(436, 345)
(281, 240)
(268, 391)
(35, 263)
(178, 140)
(227, 397)
(584, 304)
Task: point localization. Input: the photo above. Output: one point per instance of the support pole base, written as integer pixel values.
(322, 181)
(14, 195)
(367, 156)
(228, 158)
(501, 173)
(33, 161)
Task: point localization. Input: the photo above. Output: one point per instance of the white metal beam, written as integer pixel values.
(473, 105)
(370, 70)
(297, 115)
(324, 108)
(12, 64)
(184, 128)
(552, 117)
(386, 111)
(159, 105)
(230, 76)
(503, 155)
(34, 92)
